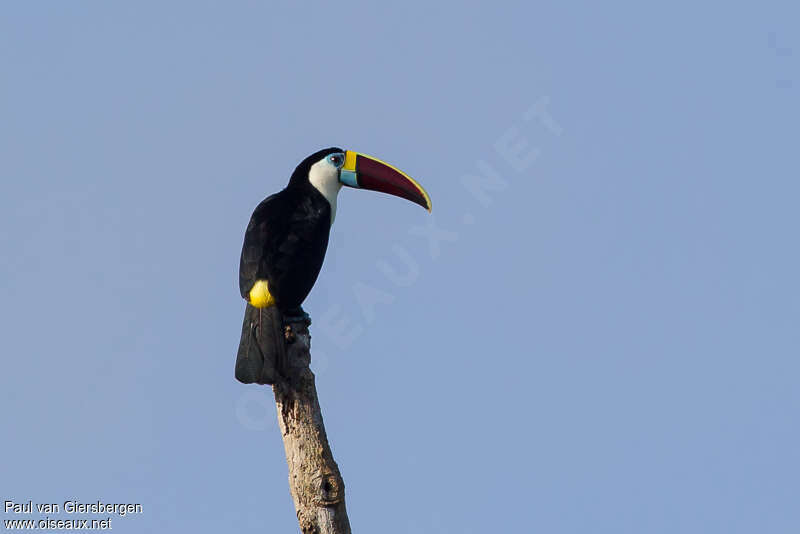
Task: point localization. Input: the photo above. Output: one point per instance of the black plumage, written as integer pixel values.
(286, 239)
(285, 244)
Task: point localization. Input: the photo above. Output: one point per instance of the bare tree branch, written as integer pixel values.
(314, 479)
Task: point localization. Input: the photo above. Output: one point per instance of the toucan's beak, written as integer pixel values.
(366, 172)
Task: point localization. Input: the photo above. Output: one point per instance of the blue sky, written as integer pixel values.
(602, 337)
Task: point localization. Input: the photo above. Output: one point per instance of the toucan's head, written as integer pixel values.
(329, 169)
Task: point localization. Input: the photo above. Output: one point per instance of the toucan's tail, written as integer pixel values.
(258, 347)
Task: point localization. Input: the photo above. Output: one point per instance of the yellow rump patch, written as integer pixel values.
(260, 297)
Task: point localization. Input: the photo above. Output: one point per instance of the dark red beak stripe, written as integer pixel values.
(376, 176)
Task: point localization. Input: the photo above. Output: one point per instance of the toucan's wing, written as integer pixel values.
(298, 255)
(285, 244)
(259, 242)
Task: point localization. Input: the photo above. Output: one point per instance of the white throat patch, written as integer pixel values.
(324, 176)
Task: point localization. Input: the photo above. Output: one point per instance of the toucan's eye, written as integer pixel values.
(336, 159)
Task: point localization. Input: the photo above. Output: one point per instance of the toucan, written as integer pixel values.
(285, 244)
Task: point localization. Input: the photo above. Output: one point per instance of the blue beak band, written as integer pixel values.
(348, 178)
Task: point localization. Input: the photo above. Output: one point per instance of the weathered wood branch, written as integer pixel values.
(314, 479)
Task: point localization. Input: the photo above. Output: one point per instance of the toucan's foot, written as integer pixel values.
(296, 315)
